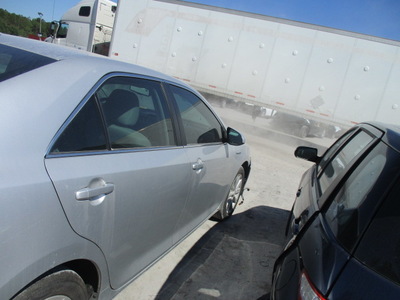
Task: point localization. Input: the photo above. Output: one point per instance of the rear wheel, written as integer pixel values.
(60, 285)
(235, 191)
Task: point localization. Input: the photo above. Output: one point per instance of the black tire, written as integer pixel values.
(66, 284)
(232, 199)
(303, 131)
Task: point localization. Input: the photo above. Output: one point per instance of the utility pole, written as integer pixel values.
(40, 25)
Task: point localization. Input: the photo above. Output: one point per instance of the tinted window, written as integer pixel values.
(332, 150)
(342, 159)
(349, 212)
(84, 133)
(380, 247)
(15, 61)
(84, 11)
(199, 123)
(136, 113)
(62, 30)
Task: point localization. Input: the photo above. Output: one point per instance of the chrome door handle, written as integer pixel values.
(88, 193)
(197, 166)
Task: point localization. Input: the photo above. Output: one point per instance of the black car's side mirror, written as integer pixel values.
(307, 153)
(234, 137)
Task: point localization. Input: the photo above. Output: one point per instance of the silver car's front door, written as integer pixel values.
(124, 189)
(212, 164)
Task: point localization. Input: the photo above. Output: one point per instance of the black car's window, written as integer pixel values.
(349, 212)
(15, 61)
(200, 124)
(379, 249)
(84, 133)
(331, 151)
(342, 159)
(136, 113)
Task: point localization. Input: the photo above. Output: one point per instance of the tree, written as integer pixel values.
(14, 24)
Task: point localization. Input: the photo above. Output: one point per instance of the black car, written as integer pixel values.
(344, 228)
(298, 126)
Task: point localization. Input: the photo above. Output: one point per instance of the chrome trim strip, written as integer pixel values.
(113, 151)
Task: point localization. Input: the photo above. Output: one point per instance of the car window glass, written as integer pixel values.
(379, 249)
(62, 31)
(83, 133)
(331, 151)
(345, 214)
(4, 62)
(199, 123)
(337, 165)
(136, 113)
(15, 61)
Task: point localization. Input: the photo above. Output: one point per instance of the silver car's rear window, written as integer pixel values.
(14, 61)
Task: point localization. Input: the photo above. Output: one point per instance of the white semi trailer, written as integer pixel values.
(316, 72)
(86, 26)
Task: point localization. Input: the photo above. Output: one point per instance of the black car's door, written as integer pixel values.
(374, 270)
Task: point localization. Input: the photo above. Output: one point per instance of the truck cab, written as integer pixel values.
(86, 26)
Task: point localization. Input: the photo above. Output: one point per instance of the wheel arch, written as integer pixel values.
(246, 167)
(86, 269)
(80, 256)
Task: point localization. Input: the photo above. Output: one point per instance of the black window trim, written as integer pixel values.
(109, 149)
(372, 131)
(323, 200)
(333, 155)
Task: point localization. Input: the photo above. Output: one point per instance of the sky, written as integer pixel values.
(373, 17)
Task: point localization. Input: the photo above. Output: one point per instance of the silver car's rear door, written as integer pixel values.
(127, 203)
(121, 178)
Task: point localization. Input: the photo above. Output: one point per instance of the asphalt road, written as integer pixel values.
(233, 259)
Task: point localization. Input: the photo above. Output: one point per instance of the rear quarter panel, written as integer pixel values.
(35, 236)
(34, 233)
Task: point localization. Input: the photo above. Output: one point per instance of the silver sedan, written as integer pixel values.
(105, 167)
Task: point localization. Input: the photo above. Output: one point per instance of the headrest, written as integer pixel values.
(122, 107)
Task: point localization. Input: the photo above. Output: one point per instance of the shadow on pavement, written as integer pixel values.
(233, 260)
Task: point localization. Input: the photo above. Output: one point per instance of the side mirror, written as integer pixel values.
(53, 28)
(307, 153)
(234, 137)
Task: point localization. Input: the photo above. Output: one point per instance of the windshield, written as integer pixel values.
(14, 62)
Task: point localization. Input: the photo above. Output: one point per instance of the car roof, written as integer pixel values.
(62, 53)
(391, 134)
(39, 47)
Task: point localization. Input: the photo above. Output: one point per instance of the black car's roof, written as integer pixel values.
(391, 133)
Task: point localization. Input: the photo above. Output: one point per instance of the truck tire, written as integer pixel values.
(227, 208)
(62, 285)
